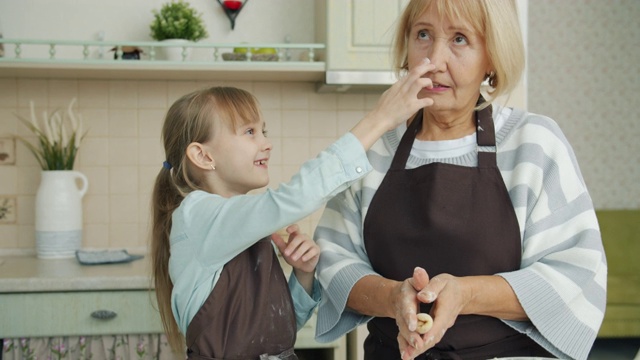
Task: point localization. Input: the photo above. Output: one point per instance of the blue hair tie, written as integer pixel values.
(166, 165)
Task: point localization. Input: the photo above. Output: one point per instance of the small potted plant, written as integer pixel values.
(177, 21)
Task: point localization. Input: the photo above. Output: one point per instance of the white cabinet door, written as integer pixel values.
(358, 33)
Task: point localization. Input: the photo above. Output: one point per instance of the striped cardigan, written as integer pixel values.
(562, 280)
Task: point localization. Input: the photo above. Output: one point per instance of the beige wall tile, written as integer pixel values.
(295, 151)
(8, 93)
(269, 94)
(123, 151)
(95, 152)
(95, 209)
(8, 236)
(123, 94)
(8, 180)
(93, 94)
(98, 177)
(323, 101)
(27, 237)
(273, 121)
(8, 122)
(123, 180)
(61, 92)
(150, 151)
(152, 95)
(95, 236)
(123, 235)
(351, 102)
(28, 179)
(150, 123)
(25, 205)
(323, 123)
(123, 209)
(95, 122)
(295, 123)
(35, 90)
(123, 122)
(295, 96)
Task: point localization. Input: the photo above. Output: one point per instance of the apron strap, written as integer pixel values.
(486, 136)
(406, 143)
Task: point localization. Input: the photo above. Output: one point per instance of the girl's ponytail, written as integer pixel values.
(165, 199)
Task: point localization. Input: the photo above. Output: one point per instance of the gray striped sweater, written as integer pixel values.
(562, 281)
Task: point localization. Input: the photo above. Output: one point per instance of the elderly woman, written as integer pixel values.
(475, 213)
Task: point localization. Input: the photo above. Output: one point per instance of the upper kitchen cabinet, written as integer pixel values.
(358, 33)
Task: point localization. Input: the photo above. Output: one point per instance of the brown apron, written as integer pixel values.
(447, 219)
(249, 314)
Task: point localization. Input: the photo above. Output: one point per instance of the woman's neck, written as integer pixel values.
(446, 126)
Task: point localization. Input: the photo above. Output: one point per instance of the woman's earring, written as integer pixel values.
(213, 167)
(491, 77)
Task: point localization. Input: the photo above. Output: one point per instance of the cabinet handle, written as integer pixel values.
(104, 314)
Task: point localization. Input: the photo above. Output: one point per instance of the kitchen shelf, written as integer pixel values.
(77, 59)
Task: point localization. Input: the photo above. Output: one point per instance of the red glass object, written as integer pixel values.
(232, 9)
(232, 4)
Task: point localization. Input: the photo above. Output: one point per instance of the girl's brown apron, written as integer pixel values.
(447, 219)
(249, 314)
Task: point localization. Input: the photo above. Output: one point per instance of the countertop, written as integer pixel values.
(30, 274)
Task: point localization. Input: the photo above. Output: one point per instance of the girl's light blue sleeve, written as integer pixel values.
(304, 304)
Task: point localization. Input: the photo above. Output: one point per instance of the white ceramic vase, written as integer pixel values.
(59, 213)
(175, 53)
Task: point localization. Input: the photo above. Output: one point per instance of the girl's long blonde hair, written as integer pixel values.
(190, 119)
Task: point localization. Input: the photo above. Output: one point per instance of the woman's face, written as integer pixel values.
(461, 60)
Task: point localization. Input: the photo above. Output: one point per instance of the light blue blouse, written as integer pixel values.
(209, 230)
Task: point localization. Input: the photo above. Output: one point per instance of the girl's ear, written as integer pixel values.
(199, 156)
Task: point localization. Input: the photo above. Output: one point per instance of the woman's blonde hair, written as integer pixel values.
(190, 119)
(496, 21)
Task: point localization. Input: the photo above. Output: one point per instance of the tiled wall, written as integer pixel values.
(122, 154)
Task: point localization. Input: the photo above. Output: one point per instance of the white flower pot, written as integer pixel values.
(174, 53)
(59, 213)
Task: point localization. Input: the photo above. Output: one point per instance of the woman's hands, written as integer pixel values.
(449, 296)
(301, 252)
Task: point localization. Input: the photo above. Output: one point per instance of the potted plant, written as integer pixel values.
(58, 210)
(177, 21)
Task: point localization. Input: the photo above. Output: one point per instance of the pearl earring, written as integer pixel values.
(213, 167)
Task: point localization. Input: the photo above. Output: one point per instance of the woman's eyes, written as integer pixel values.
(423, 35)
(458, 39)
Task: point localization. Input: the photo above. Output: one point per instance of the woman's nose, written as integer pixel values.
(438, 54)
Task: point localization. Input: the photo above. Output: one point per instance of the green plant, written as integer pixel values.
(58, 138)
(177, 20)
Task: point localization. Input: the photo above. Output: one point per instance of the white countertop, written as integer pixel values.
(30, 274)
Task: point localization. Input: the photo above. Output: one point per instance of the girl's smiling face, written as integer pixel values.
(241, 158)
(460, 56)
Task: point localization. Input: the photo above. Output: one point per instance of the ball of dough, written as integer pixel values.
(425, 322)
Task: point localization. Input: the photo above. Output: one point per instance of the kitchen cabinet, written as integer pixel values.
(53, 298)
(357, 33)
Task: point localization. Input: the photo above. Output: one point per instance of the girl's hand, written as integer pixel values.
(301, 252)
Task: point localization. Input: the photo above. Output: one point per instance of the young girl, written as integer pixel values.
(217, 276)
